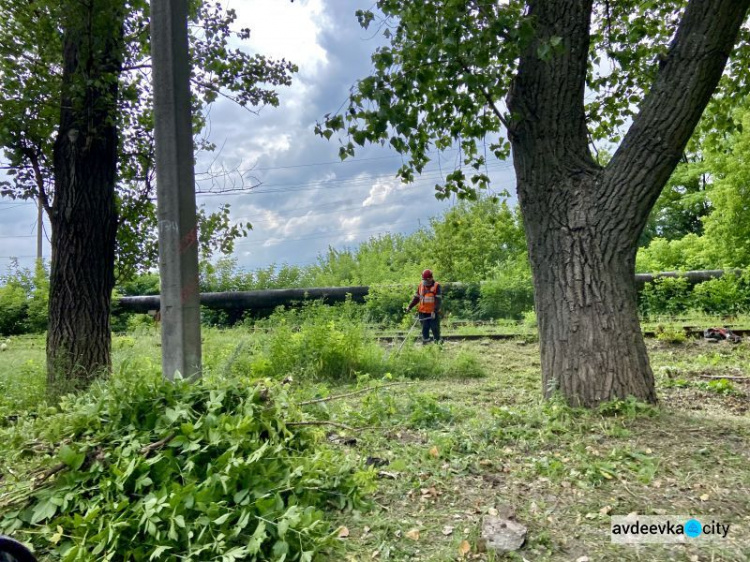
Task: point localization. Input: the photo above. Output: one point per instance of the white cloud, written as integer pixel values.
(380, 191)
(285, 30)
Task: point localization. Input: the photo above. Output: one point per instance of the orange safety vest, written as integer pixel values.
(427, 296)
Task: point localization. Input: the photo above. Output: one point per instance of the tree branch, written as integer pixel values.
(322, 422)
(38, 178)
(350, 394)
(685, 82)
(136, 67)
(548, 130)
(157, 445)
(486, 95)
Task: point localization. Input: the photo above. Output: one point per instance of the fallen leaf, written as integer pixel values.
(413, 534)
(447, 530)
(343, 532)
(582, 559)
(485, 462)
(591, 515)
(606, 510)
(492, 511)
(464, 548)
(705, 497)
(434, 452)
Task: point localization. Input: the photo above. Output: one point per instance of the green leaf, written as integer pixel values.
(42, 511)
(256, 541)
(71, 458)
(222, 519)
(158, 551)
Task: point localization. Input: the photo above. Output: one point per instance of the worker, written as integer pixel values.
(429, 296)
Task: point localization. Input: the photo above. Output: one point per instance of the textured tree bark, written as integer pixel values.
(591, 343)
(84, 214)
(582, 220)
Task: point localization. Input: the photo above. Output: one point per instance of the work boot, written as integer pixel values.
(426, 341)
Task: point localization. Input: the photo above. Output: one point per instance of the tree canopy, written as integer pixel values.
(449, 65)
(31, 79)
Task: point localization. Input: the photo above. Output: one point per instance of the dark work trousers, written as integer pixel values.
(430, 324)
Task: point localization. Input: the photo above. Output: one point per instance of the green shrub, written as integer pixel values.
(24, 298)
(529, 319)
(462, 300)
(37, 313)
(510, 292)
(323, 343)
(665, 296)
(316, 342)
(203, 471)
(727, 295)
(13, 308)
(385, 303)
(671, 334)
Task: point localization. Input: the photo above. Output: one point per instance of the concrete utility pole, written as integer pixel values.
(175, 180)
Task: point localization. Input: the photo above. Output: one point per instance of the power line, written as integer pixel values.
(338, 183)
(330, 162)
(13, 207)
(347, 161)
(281, 216)
(337, 210)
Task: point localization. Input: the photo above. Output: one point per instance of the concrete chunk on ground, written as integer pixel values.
(502, 535)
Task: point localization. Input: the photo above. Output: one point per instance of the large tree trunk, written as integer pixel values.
(583, 221)
(591, 343)
(84, 213)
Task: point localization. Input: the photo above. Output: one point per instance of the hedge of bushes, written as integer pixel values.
(507, 295)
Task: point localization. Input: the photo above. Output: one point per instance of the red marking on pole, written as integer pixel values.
(188, 291)
(189, 239)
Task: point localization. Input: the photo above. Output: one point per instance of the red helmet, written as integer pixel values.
(427, 274)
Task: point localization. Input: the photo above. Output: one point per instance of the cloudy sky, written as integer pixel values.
(307, 199)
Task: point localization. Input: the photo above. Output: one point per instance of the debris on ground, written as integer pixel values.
(721, 334)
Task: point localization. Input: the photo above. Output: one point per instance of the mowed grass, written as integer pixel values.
(451, 450)
(563, 472)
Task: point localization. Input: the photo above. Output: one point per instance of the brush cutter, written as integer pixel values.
(416, 321)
